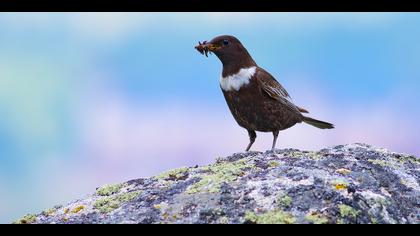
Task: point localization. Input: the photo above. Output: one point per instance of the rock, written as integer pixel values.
(354, 183)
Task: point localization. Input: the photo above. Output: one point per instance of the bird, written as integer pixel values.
(257, 101)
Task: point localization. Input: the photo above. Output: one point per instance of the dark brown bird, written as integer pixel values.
(257, 101)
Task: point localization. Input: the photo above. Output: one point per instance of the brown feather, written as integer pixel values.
(274, 89)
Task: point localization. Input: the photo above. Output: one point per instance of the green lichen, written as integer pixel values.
(373, 220)
(403, 159)
(383, 163)
(251, 217)
(110, 203)
(284, 200)
(347, 211)
(308, 154)
(271, 217)
(217, 174)
(412, 159)
(173, 174)
(316, 218)
(27, 219)
(109, 189)
(106, 205)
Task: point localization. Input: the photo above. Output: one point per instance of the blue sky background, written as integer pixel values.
(92, 98)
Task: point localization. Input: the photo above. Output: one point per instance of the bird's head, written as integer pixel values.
(227, 48)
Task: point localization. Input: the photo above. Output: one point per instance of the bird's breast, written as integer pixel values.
(236, 81)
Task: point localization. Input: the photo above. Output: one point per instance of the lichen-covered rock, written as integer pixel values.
(354, 183)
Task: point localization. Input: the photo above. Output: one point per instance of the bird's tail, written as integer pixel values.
(318, 123)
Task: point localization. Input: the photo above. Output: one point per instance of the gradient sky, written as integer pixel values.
(94, 98)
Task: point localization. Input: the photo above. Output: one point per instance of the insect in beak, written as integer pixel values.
(205, 48)
(202, 48)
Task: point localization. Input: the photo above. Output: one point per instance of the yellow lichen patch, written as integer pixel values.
(67, 210)
(78, 209)
(174, 217)
(165, 216)
(343, 171)
(340, 185)
(49, 212)
(271, 217)
(161, 206)
(27, 219)
(273, 164)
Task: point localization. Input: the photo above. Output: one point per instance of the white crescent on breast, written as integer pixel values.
(236, 81)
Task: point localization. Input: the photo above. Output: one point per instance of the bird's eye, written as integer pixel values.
(225, 42)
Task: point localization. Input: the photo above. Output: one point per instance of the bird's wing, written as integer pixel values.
(274, 89)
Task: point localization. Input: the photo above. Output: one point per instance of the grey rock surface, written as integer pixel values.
(354, 183)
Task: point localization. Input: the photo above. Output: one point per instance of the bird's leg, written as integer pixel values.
(275, 134)
(252, 137)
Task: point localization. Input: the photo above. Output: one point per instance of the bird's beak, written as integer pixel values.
(205, 47)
